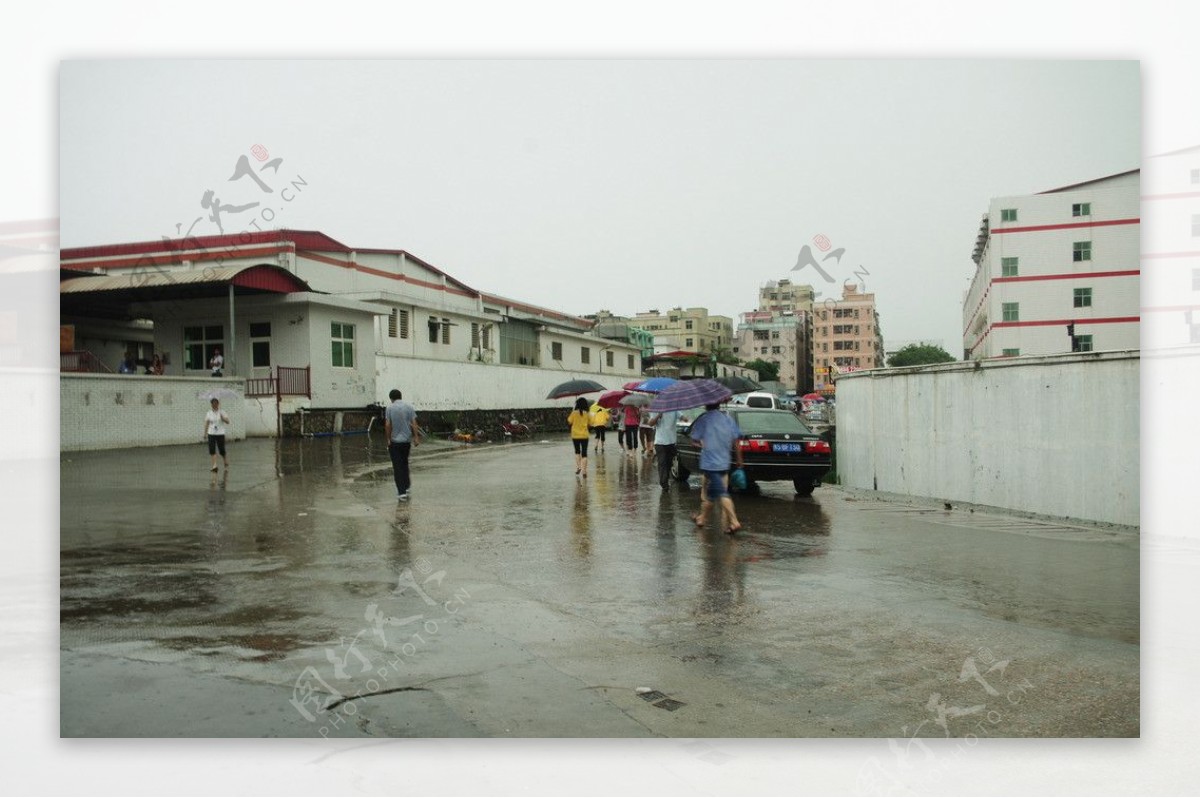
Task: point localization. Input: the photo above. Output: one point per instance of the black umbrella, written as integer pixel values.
(574, 388)
(739, 384)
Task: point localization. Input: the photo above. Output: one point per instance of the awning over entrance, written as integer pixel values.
(113, 296)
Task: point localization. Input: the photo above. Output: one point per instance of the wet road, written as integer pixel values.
(294, 596)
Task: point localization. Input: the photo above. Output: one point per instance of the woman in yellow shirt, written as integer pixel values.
(579, 421)
(600, 426)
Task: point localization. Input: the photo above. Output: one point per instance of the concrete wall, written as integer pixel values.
(438, 385)
(1055, 435)
(111, 411)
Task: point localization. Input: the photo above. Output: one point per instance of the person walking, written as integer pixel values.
(664, 444)
(632, 421)
(400, 424)
(580, 423)
(646, 432)
(600, 426)
(718, 436)
(215, 422)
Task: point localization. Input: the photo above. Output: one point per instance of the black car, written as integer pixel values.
(775, 445)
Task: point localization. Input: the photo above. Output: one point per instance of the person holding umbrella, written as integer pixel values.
(718, 436)
(579, 422)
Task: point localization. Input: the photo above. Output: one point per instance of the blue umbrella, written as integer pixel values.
(686, 394)
(655, 384)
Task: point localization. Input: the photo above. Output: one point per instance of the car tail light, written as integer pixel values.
(754, 446)
(817, 447)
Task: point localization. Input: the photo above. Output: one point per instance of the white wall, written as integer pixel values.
(439, 385)
(1055, 435)
(116, 411)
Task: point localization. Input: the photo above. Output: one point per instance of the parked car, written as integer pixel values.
(762, 399)
(775, 444)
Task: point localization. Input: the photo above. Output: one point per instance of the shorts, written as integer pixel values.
(216, 443)
(715, 485)
(580, 445)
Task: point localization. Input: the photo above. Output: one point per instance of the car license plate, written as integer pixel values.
(787, 447)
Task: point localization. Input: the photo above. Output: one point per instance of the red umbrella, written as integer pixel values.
(629, 386)
(611, 399)
(812, 397)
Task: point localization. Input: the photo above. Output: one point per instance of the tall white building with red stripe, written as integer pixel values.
(1057, 271)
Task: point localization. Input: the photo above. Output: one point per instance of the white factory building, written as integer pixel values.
(1056, 262)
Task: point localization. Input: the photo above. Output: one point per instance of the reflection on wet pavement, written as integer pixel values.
(832, 615)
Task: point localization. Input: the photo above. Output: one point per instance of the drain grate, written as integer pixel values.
(669, 704)
(652, 696)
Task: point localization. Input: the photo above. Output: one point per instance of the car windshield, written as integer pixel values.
(768, 422)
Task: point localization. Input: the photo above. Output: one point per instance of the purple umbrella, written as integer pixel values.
(686, 394)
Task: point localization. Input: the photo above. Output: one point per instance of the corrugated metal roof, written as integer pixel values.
(270, 278)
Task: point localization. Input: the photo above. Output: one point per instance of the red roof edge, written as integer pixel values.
(301, 239)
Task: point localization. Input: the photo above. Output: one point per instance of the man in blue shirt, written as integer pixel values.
(718, 436)
(400, 423)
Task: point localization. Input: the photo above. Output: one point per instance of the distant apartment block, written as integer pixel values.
(780, 332)
(846, 336)
(687, 330)
(622, 328)
(1057, 271)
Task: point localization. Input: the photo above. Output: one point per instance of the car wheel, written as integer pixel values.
(752, 488)
(804, 487)
(678, 472)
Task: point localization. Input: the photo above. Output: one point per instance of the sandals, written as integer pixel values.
(733, 529)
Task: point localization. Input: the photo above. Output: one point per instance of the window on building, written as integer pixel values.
(556, 350)
(1081, 209)
(1083, 343)
(1196, 279)
(1008, 267)
(761, 335)
(775, 334)
(434, 329)
(518, 343)
(1011, 352)
(1083, 297)
(200, 343)
(445, 331)
(585, 354)
(1011, 311)
(1008, 214)
(775, 350)
(1082, 251)
(394, 323)
(475, 341)
(629, 361)
(260, 344)
(1196, 224)
(342, 343)
(687, 342)
(688, 324)
(608, 358)
(487, 336)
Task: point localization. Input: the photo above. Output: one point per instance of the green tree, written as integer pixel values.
(920, 355)
(768, 372)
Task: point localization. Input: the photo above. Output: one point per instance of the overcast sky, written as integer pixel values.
(622, 185)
